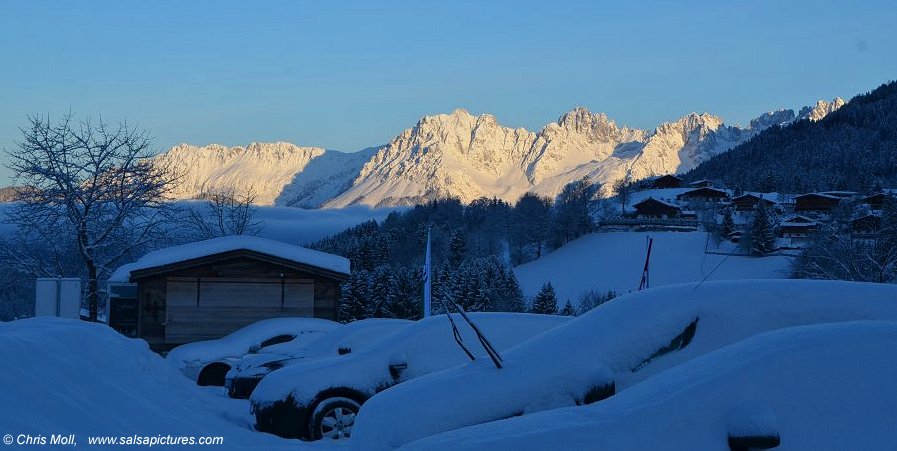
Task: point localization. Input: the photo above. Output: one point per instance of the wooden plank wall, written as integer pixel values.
(205, 308)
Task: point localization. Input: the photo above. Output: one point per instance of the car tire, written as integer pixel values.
(213, 374)
(333, 419)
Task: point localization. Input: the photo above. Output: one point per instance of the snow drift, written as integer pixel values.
(821, 387)
(72, 377)
(625, 341)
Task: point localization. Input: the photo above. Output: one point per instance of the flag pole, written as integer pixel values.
(428, 269)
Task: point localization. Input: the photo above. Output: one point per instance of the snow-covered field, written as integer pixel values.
(614, 261)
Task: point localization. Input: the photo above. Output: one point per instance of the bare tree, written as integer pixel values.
(89, 187)
(224, 213)
(623, 189)
(836, 253)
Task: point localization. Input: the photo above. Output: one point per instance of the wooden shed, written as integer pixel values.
(207, 289)
(667, 181)
(704, 183)
(703, 195)
(797, 227)
(816, 202)
(877, 200)
(653, 208)
(748, 202)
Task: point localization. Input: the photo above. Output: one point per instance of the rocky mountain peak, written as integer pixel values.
(821, 109)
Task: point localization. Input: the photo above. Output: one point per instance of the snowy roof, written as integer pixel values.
(841, 193)
(658, 201)
(798, 221)
(827, 196)
(221, 245)
(705, 189)
(754, 196)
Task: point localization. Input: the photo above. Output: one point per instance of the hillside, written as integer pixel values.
(854, 148)
(466, 156)
(614, 261)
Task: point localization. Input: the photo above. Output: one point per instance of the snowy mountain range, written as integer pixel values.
(467, 156)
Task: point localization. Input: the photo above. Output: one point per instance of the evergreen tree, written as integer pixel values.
(512, 295)
(457, 248)
(405, 294)
(592, 299)
(353, 298)
(850, 149)
(545, 302)
(568, 309)
(763, 240)
(728, 223)
(379, 284)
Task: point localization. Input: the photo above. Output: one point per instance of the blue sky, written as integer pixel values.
(346, 75)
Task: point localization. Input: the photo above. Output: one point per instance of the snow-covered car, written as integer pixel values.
(207, 362)
(818, 387)
(320, 399)
(611, 348)
(247, 372)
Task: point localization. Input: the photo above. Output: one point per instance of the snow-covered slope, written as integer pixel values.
(281, 172)
(614, 261)
(467, 156)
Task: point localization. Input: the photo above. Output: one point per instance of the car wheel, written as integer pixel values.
(213, 374)
(333, 419)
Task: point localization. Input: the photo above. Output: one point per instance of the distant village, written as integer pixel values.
(670, 203)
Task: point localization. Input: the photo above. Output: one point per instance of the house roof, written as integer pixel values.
(256, 246)
(867, 217)
(840, 193)
(651, 199)
(823, 195)
(798, 221)
(705, 189)
(877, 196)
(754, 196)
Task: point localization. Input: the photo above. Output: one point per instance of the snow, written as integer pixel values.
(353, 336)
(617, 341)
(72, 377)
(829, 387)
(820, 110)
(752, 418)
(614, 261)
(464, 156)
(214, 246)
(300, 226)
(237, 343)
(427, 345)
